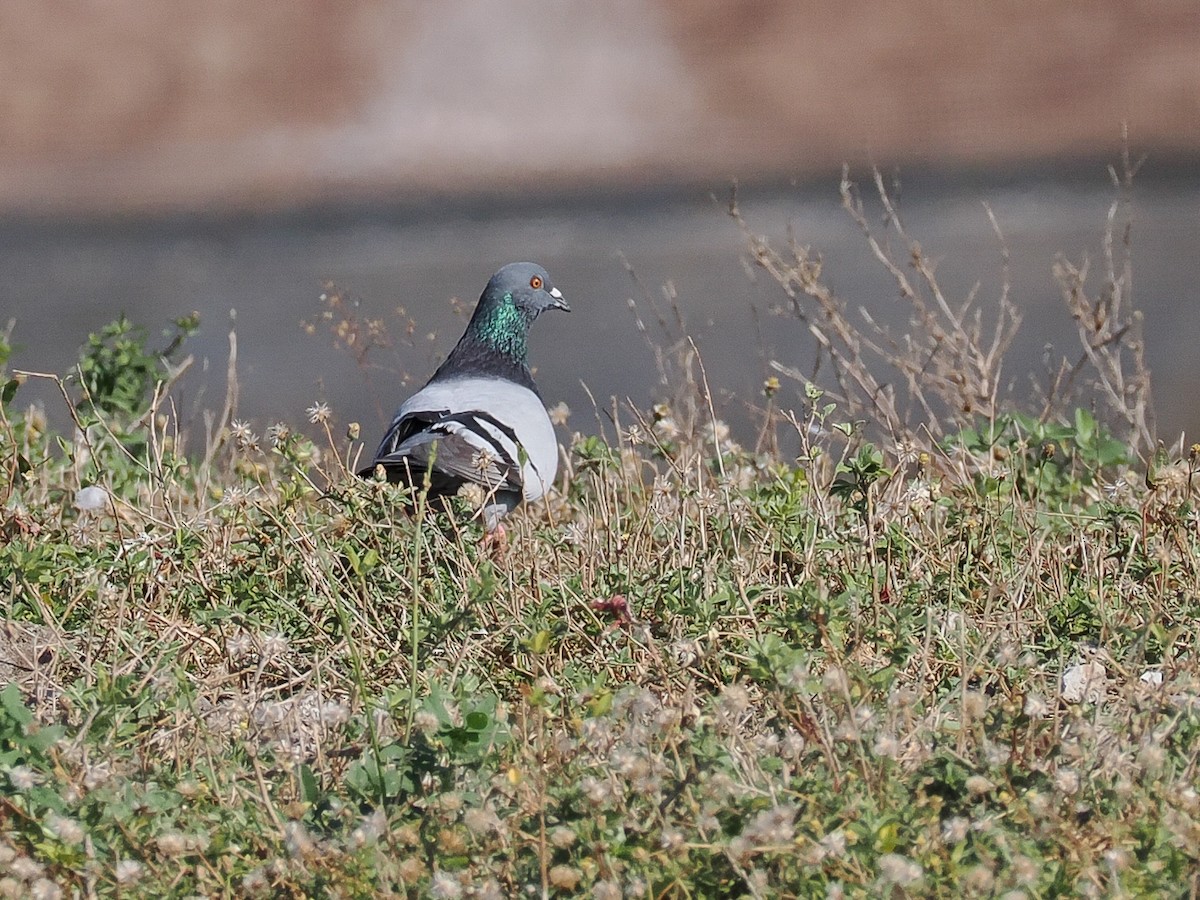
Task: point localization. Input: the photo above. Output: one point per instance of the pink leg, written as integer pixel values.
(495, 541)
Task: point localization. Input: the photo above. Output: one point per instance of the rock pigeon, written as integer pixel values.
(480, 419)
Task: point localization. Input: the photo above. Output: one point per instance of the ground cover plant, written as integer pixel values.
(926, 641)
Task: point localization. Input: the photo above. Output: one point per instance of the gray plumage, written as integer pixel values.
(480, 418)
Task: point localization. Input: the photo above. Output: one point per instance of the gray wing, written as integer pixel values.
(450, 449)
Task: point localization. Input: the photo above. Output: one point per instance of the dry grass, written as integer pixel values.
(957, 661)
(950, 357)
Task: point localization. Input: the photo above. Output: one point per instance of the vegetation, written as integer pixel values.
(861, 658)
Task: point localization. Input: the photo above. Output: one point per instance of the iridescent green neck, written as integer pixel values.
(503, 328)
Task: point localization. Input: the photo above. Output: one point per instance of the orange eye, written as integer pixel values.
(536, 282)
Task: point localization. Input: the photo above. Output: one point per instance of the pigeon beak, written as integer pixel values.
(559, 302)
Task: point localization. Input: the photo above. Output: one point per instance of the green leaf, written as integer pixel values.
(1085, 425)
(14, 707)
(352, 557)
(887, 836)
(477, 721)
(309, 788)
(540, 642)
(600, 704)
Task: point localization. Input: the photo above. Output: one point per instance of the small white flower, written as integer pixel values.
(1007, 653)
(671, 839)
(1038, 802)
(274, 646)
(335, 712)
(575, 533)
(833, 844)
(238, 646)
(954, 830)
(1084, 683)
(235, 495)
(445, 886)
(565, 878)
(318, 413)
(23, 778)
(772, 827)
(1036, 706)
(1025, 870)
(793, 744)
(598, 790)
(128, 871)
(66, 830)
(732, 704)
(899, 870)
(483, 461)
(370, 829)
(1117, 859)
(906, 452)
(481, 820)
(666, 428)
(255, 881)
(560, 413)
(243, 437)
(426, 722)
(1151, 756)
(91, 499)
(978, 784)
(27, 869)
(97, 774)
(279, 433)
(980, 880)
(473, 493)
(1067, 780)
(887, 746)
(172, 843)
(298, 841)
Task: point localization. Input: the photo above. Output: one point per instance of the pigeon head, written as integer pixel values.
(495, 342)
(515, 296)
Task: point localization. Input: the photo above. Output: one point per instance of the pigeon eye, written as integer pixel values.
(536, 282)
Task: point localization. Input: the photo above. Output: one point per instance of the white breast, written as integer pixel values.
(515, 406)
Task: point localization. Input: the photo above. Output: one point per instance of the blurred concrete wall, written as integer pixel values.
(127, 105)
